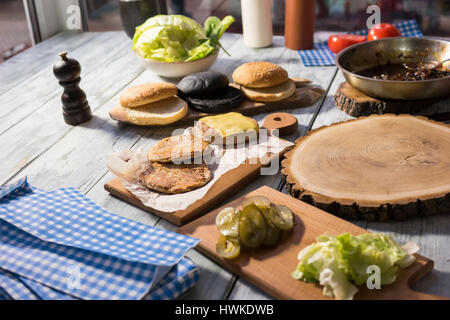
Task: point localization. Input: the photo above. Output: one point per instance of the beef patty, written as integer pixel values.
(170, 178)
(177, 148)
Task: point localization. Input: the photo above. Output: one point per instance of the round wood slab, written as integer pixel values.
(357, 103)
(380, 167)
(284, 122)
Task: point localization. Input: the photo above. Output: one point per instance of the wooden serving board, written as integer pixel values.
(357, 104)
(270, 268)
(376, 168)
(305, 95)
(227, 185)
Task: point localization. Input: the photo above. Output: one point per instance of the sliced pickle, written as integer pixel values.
(259, 201)
(282, 217)
(252, 226)
(227, 222)
(228, 248)
(273, 232)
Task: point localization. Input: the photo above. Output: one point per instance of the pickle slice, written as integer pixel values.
(228, 248)
(282, 217)
(252, 226)
(259, 201)
(227, 222)
(273, 232)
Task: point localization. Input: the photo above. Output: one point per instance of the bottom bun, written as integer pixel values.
(161, 112)
(270, 94)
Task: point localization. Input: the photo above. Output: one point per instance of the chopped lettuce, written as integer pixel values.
(175, 38)
(339, 263)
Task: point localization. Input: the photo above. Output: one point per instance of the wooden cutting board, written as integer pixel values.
(227, 185)
(304, 96)
(230, 183)
(270, 268)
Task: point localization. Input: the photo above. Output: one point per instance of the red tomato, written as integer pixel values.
(338, 42)
(383, 30)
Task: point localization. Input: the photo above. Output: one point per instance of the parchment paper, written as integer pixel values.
(224, 161)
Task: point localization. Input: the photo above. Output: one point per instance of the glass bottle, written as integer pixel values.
(257, 23)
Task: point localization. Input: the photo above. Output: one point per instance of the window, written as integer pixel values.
(47, 17)
(14, 34)
(433, 16)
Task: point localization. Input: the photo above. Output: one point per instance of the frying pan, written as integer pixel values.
(408, 50)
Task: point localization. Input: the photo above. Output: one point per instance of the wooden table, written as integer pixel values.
(35, 142)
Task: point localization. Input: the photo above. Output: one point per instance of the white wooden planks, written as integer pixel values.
(76, 156)
(36, 142)
(38, 57)
(41, 128)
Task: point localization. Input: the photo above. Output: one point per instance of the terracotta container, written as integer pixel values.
(299, 24)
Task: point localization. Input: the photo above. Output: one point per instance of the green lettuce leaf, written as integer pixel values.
(175, 38)
(215, 27)
(340, 262)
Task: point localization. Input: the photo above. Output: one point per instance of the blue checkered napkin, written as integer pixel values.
(66, 216)
(13, 287)
(4, 295)
(44, 292)
(47, 233)
(322, 56)
(8, 188)
(180, 278)
(101, 276)
(20, 288)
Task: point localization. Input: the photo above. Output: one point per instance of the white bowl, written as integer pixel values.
(180, 69)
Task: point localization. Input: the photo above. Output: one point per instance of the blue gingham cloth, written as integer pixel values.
(180, 278)
(322, 56)
(61, 245)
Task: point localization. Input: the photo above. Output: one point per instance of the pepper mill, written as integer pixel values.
(75, 107)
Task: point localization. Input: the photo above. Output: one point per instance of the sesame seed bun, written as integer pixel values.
(259, 74)
(146, 93)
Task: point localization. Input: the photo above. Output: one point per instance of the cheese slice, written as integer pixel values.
(231, 123)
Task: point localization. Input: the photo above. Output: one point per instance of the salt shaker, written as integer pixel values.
(257, 23)
(75, 107)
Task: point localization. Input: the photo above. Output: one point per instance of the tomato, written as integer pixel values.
(338, 42)
(383, 30)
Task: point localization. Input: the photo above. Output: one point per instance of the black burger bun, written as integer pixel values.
(201, 83)
(217, 101)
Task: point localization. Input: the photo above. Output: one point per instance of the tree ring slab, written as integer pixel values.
(378, 168)
(357, 104)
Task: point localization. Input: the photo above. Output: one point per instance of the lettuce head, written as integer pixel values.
(176, 38)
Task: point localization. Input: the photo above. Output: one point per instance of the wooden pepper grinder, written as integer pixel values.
(76, 109)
